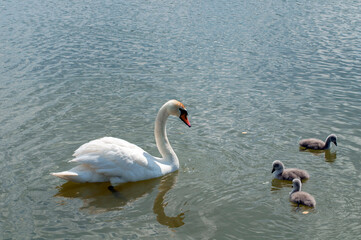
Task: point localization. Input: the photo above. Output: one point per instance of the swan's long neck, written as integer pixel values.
(161, 139)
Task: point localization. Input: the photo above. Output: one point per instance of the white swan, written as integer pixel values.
(118, 161)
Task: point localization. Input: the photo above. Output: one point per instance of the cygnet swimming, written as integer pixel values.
(300, 197)
(280, 172)
(317, 144)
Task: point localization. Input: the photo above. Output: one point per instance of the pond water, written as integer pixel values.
(255, 76)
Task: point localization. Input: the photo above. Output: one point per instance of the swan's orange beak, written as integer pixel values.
(184, 118)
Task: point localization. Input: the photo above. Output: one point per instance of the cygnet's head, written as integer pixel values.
(333, 138)
(296, 185)
(177, 109)
(277, 166)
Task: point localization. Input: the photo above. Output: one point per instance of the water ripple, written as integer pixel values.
(256, 77)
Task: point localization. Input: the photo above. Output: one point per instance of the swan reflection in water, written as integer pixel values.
(101, 197)
(329, 156)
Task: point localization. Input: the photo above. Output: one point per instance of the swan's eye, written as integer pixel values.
(183, 111)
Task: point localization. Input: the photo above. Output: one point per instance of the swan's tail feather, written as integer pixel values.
(71, 176)
(81, 173)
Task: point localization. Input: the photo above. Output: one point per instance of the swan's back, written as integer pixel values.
(104, 146)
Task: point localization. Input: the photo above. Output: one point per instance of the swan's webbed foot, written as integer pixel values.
(115, 193)
(112, 189)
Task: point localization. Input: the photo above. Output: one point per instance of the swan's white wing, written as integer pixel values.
(116, 159)
(109, 152)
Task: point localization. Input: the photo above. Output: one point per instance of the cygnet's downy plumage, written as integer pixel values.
(300, 197)
(317, 144)
(280, 172)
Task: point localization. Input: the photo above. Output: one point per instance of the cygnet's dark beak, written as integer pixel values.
(335, 143)
(184, 117)
(273, 169)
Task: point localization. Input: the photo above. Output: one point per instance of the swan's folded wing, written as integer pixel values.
(110, 153)
(104, 144)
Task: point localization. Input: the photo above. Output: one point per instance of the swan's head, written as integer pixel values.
(296, 185)
(177, 109)
(277, 166)
(332, 138)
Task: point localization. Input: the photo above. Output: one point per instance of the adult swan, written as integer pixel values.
(118, 161)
